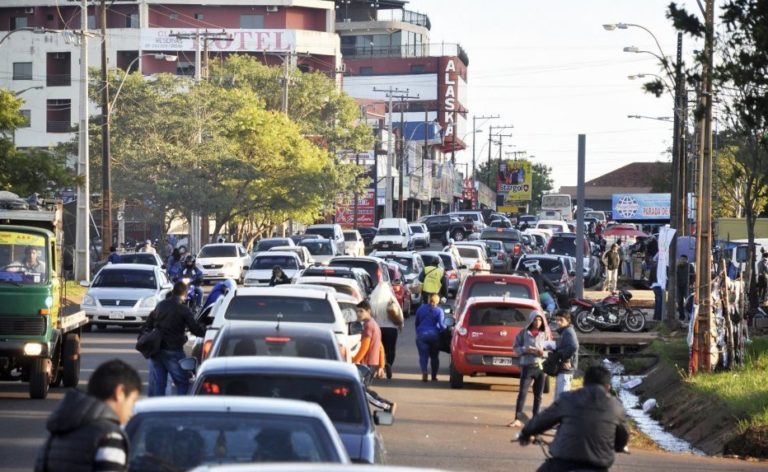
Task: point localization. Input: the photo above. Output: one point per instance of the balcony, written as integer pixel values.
(58, 80)
(58, 127)
(405, 16)
(407, 50)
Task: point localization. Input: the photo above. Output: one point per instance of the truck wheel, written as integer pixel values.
(70, 360)
(456, 379)
(39, 378)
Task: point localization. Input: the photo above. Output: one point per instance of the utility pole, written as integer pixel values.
(490, 145)
(388, 203)
(106, 164)
(475, 202)
(82, 236)
(402, 98)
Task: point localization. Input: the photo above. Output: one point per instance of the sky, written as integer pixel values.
(550, 69)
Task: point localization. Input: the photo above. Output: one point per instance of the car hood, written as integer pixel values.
(388, 238)
(216, 260)
(122, 293)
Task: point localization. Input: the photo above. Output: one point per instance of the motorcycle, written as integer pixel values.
(190, 299)
(611, 313)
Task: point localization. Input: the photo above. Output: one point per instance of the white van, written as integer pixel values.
(393, 234)
(329, 231)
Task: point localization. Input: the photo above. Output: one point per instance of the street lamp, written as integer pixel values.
(37, 87)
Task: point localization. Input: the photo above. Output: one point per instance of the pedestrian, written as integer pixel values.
(430, 321)
(567, 349)
(658, 290)
(592, 426)
(432, 279)
(114, 256)
(172, 317)
(611, 259)
(762, 278)
(278, 277)
(529, 346)
(85, 432)
(683, 285)
(371, 354)
(391, 324)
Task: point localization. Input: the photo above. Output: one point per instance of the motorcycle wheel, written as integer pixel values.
(582, 323)
(635, 320)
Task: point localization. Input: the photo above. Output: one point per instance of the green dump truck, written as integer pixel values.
(39, 344)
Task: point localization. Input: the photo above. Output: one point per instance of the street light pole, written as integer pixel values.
(474, 153)
(106, 164)
(82, 236)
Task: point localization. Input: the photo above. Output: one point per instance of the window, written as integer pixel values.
(27, 114)
(91, 22)
(366, 71)
(185, 68)
(22, 71)
(199, 16)
(132, 21)
(18, 22)
(251, 21)
(292, 309)
(417, 68)
(59, 116)
(58, 72)
(217, 251)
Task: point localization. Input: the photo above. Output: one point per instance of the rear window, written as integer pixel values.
(500, 235)
(276, 345)
(447, 261)
(469, 252)
(430, 260)
(406, 263)
(219, 251)
(267, 244)
(554, 227)
(268, 262)
(566, 246)
(291, 309)
(548, 266)
(498, 289)
(500, 315)
(123, 278)
(352, 237)
(389, 232)
(339, 398)
(417, 229)
(317, 248)
(345, 289)
(370, 266)
(324, 232)
(138, 258)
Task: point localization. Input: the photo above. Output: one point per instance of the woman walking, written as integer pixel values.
(529, 345)
(429, 323)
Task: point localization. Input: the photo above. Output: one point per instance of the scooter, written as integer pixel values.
(611, 313)
(190, 299)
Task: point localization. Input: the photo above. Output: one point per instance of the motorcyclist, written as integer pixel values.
(547, 290)
(219, 290)
(175, 262)
(592, 426)
(190, 271)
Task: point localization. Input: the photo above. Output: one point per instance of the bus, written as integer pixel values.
(559, 202)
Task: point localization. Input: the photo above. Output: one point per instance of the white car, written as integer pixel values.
(353, 243)
(223, 261)
(322, 250)
(124, 294)
(556, 226)
(474, 256)
(261, 269)
(421, 236)
(268, 243)
(283, 304)
(304, 255)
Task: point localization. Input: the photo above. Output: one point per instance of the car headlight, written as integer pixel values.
(88, 300)
(149, 302)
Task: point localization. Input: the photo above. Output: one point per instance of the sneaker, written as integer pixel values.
(424, 377)
(434, 378)
(515, 424)
(393, 408)
(388, 370)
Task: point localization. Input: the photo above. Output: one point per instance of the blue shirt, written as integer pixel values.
(216, 293)
(429, 319)
(114, 258)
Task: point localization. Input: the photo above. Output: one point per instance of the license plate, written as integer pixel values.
(504, 361)
(385, 245)
(116, 315)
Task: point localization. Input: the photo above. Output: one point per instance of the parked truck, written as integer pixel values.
(39, 343)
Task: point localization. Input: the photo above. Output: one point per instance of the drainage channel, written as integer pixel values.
(624, 384)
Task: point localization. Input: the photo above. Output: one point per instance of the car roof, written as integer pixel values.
(436, 253)
(358, 258)
(268, 291)
(272, 253)
(316, 240)
(286, 329)
(285, 248)
(222, 244)
(323, 288)
(382, 254)
(527, 302)
(322, 225)
(226, 404)
(130, 265)
(274, 239)
(543, 256)
(279, 365)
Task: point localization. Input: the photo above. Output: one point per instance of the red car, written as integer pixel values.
(495, 285)
(400, 287)
(484, 336)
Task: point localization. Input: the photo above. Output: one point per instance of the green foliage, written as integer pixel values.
(542, 182)
(732, 179)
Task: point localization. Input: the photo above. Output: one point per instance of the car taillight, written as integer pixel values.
(207, 345)
(211, 388)
(516, 250)
(501, 255)
(452, 274)
(275, 339)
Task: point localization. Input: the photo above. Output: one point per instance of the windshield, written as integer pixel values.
(447, 261)
(318, 248)
(162, 442)
(218, 251)
(499, 315)
(388, 232)
(125, 278)
(324, 232)
(23, 258)
(138, 258)
(267, 244)
(350, 236)
(276, 344)
(290, 309)
(268, 262)
(498, 289)
(405, 263)
(417, 228)
(551, 268)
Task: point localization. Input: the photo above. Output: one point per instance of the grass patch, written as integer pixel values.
(74, 291)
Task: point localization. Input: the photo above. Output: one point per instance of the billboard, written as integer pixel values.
(514, 180)
(242, 40)
(640, 206)
(366, 200)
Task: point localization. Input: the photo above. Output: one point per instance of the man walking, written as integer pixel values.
(371, 354)
(611, 259)
(84, 429)
(683, 285)
(172, 318)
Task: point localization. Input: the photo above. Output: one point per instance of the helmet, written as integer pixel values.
(189, 259)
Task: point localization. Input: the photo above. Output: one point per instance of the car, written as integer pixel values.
(124, 294)
(329, 231)
(297, 238)
(268, 243)
(147, 258)
(260, 271)
(368, 233)
(304, 255)
(557, 226)
(351, 281)
(598, 215)
(411, 265)
(322, 250)
(555, 268)
(394, 234)
(190, 431)
(401, 288)
(446, 226)
(475, 257)
(294, 340)
(281, 304)
(355, 246)
(505, 223)
(501, 262)
(421, 236)
(495, 285)
(221, 261)
(382, 292)
(564, 244)
(510, 238)
(529, 219)
(454, 271)
(335, 386)
(476, 217)
(539, 236)
(483, 337)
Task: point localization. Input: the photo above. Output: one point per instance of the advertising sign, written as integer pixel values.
(641, 206)
(514, 180)
(345, 210)
(164, 39)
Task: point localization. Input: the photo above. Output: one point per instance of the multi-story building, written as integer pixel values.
(42, 55)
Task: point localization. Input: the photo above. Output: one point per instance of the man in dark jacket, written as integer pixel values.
(683, 285)
(85, 432)
(592, 426)
(172, 318)
(567, 349)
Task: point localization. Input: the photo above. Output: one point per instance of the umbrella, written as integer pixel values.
(624, 231)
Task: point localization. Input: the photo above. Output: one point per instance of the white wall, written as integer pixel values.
(423, 85)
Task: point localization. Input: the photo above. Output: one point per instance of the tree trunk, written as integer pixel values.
(749, 270)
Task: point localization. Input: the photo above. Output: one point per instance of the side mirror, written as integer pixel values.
(245, 267)
(188, 364)
(463, 266)
(449, 321)
(572, 273)
(84, 283)
(163, 266)
(355, 327)
(383, 418)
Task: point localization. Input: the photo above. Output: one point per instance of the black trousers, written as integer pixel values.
(682, 296)
(560, 465)
(389, 340)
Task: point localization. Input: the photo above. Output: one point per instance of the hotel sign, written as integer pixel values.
(243, 40)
